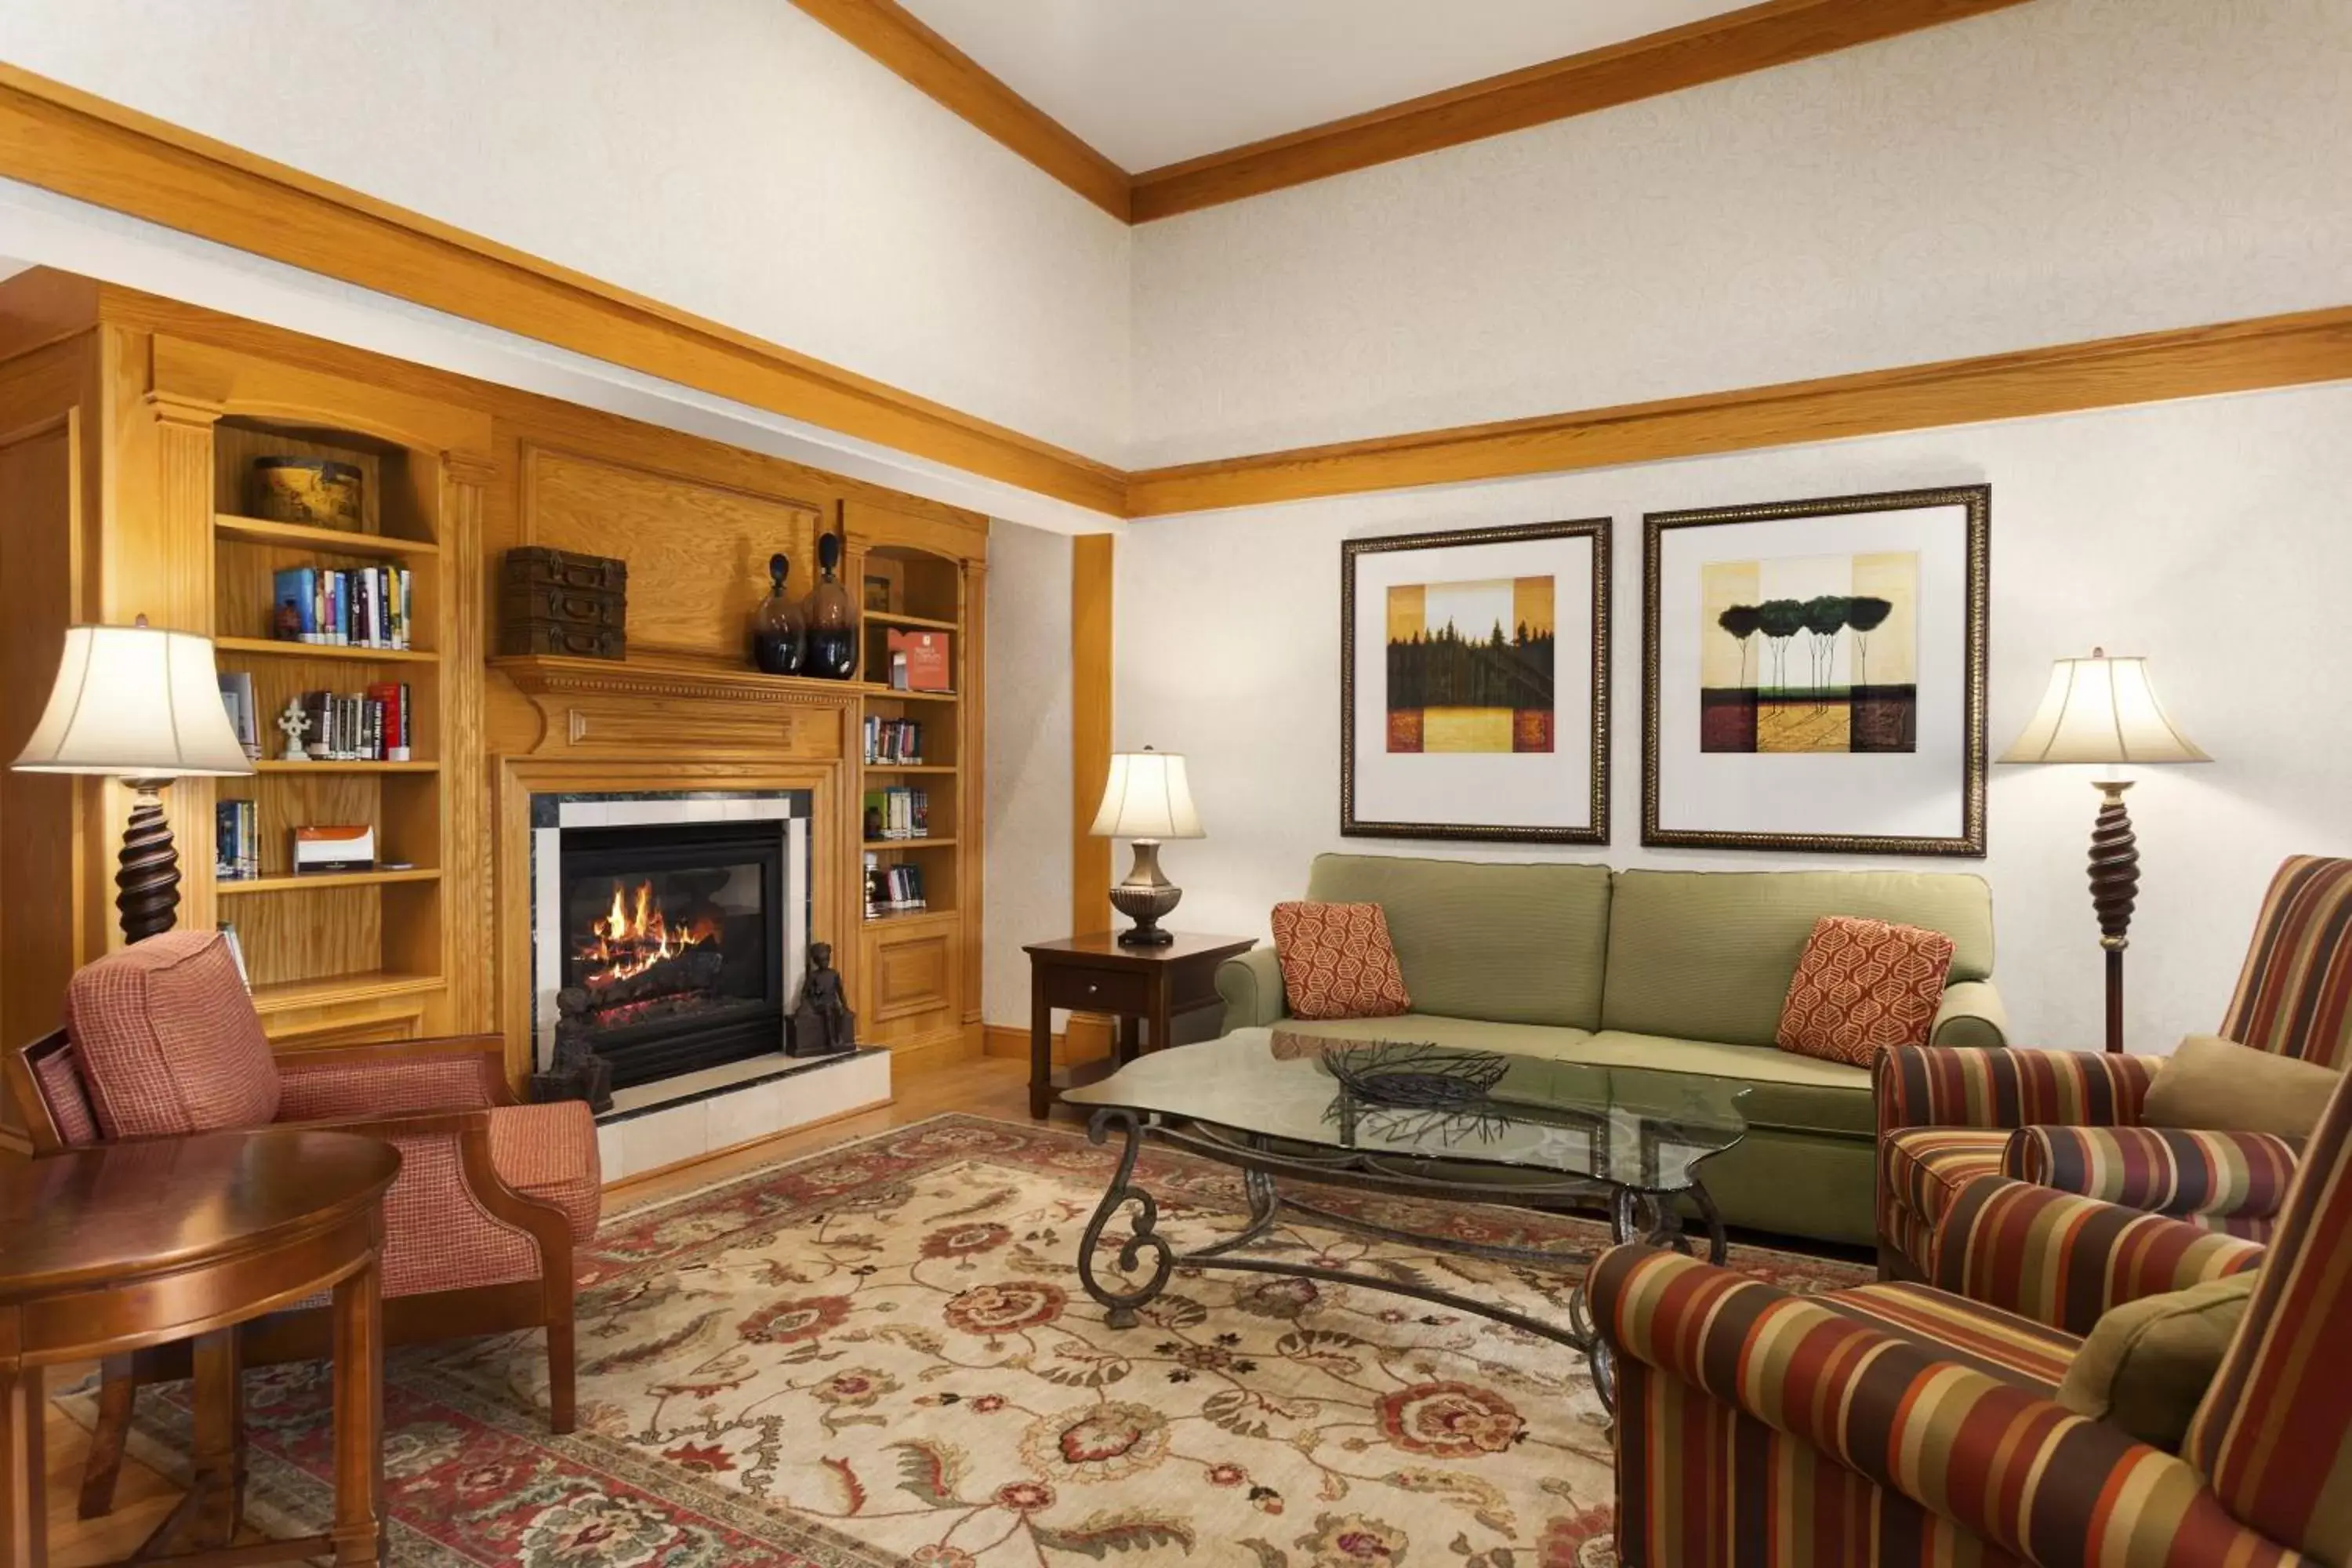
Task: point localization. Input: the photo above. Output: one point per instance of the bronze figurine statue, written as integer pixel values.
(822, 1025)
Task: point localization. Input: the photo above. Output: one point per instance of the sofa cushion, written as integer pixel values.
(1862, 986)
(1784, 1091)
(2211, 1084)
(1707, 955)
(2147, 1363)
(1504, 942)
(168, 1040)
(1337, 962)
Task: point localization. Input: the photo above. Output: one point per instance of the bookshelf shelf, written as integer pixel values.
(895, 694)
(368, 986)
(920, 623)
(278, 648)
(934, 769)
(334, 541)
(276, 766)
(322, 882)
(930, 843)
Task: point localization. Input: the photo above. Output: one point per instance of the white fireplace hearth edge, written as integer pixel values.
(657, 1125)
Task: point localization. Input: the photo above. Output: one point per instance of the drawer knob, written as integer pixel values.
(1092, 987)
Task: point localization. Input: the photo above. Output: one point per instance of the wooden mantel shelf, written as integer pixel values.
(541, 675)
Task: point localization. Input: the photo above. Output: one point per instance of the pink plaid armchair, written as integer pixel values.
(2071, 1120)
(479, 1226)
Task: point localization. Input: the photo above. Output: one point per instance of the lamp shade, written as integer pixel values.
(1147, 796)
(2101, 710)
(135, 702)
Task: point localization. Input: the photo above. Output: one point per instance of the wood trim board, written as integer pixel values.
(894, 38)
(78, 145)
(1755, 38)
(63, 139)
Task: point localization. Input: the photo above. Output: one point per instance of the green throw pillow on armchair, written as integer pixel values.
(2147, 1363)
(2213, 1085)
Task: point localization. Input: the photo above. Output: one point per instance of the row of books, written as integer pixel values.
(371, 726)
(236, 696)
(236, 841)
(361, 606)
(893, 742)
(898, 813)
(892, 889)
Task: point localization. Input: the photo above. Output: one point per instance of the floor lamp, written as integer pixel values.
(2104, 712)
(142, 705)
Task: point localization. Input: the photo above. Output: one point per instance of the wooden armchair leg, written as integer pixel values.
(118, 1388)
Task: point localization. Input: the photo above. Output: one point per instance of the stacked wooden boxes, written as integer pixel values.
(560, 601)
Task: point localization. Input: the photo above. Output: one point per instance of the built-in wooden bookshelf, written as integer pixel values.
(347, 937)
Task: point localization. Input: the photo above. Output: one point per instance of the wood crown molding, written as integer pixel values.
(66, 140)
(892, 36)
(2294, 350)
(81, 146)
(1755, 37)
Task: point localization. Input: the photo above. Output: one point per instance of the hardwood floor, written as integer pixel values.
(985, 1086)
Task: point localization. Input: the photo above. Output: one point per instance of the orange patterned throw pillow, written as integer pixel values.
(1862, 986)
(1337, 962)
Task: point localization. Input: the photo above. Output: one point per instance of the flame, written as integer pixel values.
(634, 936)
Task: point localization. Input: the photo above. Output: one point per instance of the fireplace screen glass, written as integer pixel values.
(672, 946)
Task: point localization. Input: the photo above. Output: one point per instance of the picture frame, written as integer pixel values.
(878, 594)
(1766, 724)
(1499, 736)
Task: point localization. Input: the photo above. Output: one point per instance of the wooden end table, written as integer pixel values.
(121, 1245)
(1138, 986)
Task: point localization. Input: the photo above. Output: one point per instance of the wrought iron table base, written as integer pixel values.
(1634, 1215)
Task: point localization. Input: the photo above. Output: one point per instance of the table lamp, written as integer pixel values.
(142, 705)
(1147, 799)
(2102, 710)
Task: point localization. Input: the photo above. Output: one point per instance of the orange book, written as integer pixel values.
(927, 659)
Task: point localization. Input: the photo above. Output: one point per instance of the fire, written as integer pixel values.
(634, 936)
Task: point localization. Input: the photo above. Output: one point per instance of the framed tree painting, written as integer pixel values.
(1813, 675)
(1474, 684)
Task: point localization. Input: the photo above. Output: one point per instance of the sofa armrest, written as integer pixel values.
(1945, 1086)
(2160, 1170)
(2064, 1260)
(1251, 984)
(2007, 1466)
(1970, 1014)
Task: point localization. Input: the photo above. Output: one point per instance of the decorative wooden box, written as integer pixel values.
(557, 602)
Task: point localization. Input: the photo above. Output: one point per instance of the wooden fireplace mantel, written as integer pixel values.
(547, 675)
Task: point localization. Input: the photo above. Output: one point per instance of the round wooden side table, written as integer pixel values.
(109, 1249)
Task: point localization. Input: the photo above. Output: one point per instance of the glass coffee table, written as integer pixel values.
(1410, 1120)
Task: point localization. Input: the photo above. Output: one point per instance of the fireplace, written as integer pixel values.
(669, 929)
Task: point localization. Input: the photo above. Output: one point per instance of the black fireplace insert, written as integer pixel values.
(672, 945)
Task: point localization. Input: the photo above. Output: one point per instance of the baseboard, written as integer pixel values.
(1006, 1040)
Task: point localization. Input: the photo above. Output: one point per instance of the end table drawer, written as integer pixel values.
(1098, 991)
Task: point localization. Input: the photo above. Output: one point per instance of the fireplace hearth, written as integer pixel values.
(669, 929)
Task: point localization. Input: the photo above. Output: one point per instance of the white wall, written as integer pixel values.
(2208, 535)
(2066, 169)
(731, 157)
(1028, 801)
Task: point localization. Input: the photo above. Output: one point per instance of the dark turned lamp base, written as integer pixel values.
(149, 878)
(1144, 897)
(2115, 886)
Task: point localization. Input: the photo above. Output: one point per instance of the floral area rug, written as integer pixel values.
(881, 1355)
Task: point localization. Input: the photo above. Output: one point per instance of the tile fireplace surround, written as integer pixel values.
(672, 1118)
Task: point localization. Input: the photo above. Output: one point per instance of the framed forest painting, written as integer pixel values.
(1474, 684)
(1813, 675)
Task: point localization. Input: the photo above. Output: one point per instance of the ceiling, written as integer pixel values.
(1152, 82)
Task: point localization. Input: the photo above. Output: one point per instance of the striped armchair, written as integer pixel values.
(479, 1226)
(1900, 1424)
(2070, 1120)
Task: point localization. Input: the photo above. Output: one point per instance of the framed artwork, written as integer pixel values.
(878, 594)
(1474, 684)
(1813, 675)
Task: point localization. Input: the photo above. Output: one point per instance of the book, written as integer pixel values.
(927, 660)
(298, 586)
(236, 697)
(236, 949)
(321, 849)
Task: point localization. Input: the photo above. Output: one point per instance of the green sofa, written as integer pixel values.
(1654, 974)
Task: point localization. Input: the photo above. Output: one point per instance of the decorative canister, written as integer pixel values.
(313, 490)
(777, 643)
(829, 622)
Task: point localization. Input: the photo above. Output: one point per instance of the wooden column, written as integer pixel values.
(467, 908)
(166, 574)
(1089, 1036)
(974, 829)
